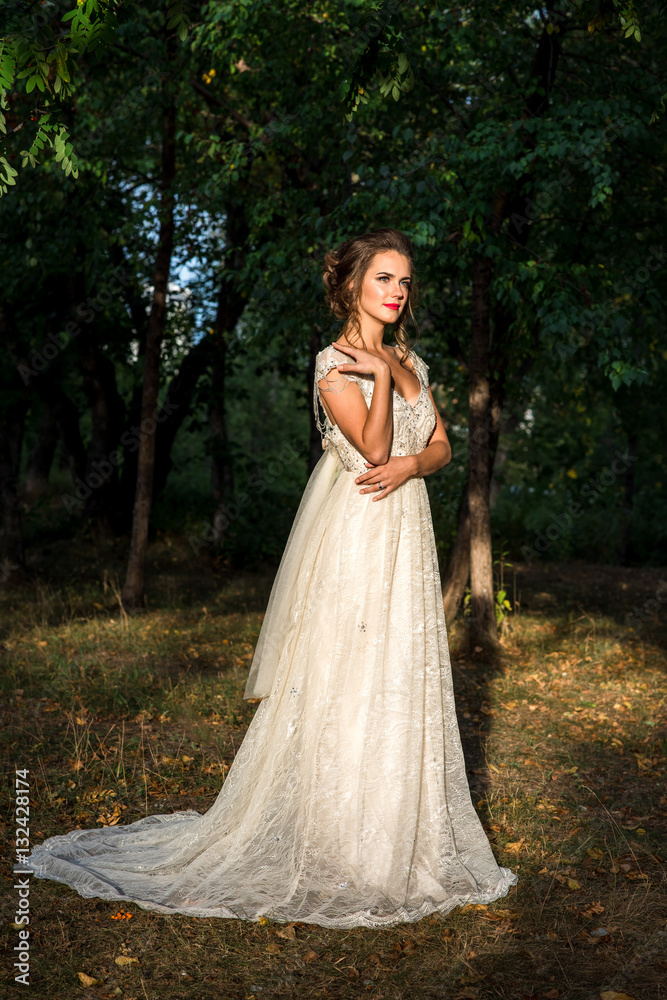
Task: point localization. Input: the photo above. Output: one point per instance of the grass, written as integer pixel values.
(116, 717)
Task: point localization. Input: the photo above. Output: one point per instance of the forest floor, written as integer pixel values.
(116, 717)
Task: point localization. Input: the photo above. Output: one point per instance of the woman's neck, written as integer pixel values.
(373, 339)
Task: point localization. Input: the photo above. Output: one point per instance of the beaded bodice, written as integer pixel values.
(413, 425)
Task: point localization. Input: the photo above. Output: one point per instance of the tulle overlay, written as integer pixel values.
(347, 803)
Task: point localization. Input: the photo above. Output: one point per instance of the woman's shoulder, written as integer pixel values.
(328, 357)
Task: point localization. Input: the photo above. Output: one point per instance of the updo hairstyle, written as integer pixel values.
(349, 263)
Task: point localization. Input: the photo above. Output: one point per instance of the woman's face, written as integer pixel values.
(385, 288)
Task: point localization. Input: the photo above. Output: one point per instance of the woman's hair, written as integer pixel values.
(349, 264)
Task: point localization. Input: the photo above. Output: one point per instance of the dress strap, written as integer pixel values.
(326, 360)
(420, 368)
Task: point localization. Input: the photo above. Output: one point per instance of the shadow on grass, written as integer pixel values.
(566, 764)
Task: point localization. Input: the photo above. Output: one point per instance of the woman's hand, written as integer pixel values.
(392, 474)
(364, 362)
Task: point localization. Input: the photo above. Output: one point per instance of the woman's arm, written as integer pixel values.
(400, 468)
(369, 429)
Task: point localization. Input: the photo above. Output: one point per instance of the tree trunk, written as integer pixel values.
(134, 588)
(41, 457)
(458, 571)
(107, 412)
(230, 308)
(486, 397)
(66, 416)
(177, 405)
(222, 479)
(483, 631)
(127, 486)
(457, 575)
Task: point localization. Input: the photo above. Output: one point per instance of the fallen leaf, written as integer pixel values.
(87, 980)
(272, 948)
(288, 933)
(615, 995)
(593, 908)
(310, 956)
(473, 906)
(125, 960)
(515, 846)
(573, 884)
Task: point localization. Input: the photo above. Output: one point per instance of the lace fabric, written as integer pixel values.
(347, 803)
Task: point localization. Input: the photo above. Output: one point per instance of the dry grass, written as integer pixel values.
(116, 717)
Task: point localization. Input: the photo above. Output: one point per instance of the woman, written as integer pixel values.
(347, 803)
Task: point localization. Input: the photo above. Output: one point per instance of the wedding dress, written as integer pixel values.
(347, 803)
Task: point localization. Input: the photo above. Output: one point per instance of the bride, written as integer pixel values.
(347, 803)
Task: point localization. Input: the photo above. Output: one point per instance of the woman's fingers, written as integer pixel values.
(366, 478)
(383, 493)
(344, 349)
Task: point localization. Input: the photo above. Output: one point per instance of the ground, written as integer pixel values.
(114, 717)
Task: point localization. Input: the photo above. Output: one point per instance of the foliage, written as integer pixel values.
(271, 172)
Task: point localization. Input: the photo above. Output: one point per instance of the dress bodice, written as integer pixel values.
(413, 424)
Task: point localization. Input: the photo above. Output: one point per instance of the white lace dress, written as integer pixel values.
(347, 803)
